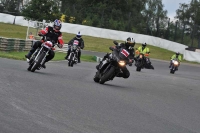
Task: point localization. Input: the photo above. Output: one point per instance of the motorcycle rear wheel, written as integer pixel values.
(138, 69)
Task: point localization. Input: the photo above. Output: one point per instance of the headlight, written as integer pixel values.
(122, 63)
(141, 56)
(175, 62)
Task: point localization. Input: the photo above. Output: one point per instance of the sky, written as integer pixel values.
(172, 5)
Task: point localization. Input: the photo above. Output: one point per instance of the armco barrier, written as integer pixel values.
(8, 44)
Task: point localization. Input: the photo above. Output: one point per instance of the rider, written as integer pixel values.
(143, 49)
(176, 56)
(53, 34)
(78, 38)
(129, 46)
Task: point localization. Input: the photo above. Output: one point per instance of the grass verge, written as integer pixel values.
(58, 56)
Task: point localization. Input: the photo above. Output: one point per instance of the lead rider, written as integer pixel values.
(53, 34)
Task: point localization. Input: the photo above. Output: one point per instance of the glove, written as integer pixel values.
(40, 34)
(60, 45)
(131, 60)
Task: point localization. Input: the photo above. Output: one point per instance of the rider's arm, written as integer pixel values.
(71, 42)
(44, 31)
(173, 56)
(148, 51)
(82, 44)
(60, 40)
(180, 58)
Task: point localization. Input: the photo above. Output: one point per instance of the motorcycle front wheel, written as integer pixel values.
(96, 77)
(172, 70)
(71, 62)
(37, 63)
(107, 75)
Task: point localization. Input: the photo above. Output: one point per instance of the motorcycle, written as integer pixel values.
(111, 67)
(143, 62)
(174, 65)
(73, 56)
(39, 56)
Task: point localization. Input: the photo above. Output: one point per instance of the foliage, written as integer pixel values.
(10, 6)
(48, 10)
(138, 16)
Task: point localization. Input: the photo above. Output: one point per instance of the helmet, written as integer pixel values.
(177, 53)
(130, 42)
(78, 35)
(57, 24)
(144, 44)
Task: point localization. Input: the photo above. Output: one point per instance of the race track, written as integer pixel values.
(61, 99)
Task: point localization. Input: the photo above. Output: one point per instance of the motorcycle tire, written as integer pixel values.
(138, 69)
(37, 63)
(172, 71)
(107, 75)
(96, 77)
(71, 62)
(152, 67)
(29, 68)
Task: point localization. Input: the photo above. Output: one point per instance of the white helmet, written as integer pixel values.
(78, 35)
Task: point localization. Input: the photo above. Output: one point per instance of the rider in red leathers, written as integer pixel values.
(53, 34)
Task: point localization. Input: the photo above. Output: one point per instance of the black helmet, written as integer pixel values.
(130, 42)
(144, 44)
(177, 54)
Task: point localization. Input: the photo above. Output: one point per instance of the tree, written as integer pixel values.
(10, 6)
(39, 10)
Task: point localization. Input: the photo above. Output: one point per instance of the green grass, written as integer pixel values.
(91, 43)
(58, 56)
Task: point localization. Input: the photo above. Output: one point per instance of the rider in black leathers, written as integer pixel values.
(129, 46)
(80, 41)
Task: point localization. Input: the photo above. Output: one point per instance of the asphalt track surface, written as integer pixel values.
(61, 99)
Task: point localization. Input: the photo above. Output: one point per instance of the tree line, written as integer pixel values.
(138, 16)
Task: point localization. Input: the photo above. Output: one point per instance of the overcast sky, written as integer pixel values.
(172, 5)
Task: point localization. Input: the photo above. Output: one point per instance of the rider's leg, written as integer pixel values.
(49, 57)
(104, 58)
(68, 52)
(33, 48)
(79, 56)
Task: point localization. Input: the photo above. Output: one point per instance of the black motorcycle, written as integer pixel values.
(111, 67)
(142, 61)
(174, 65)
(39, 56)
(73, 56)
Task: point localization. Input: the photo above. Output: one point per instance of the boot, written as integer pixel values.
(43, 65)
(79, 60)
(97, 66)
(66, 57)
(28, 56)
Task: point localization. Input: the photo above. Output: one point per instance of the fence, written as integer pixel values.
(10, 44)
